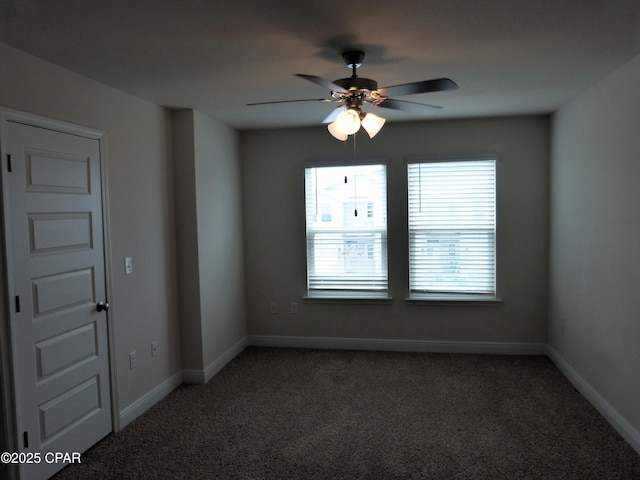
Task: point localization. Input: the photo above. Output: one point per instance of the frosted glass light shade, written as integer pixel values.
(348, 122)
(336, 132)
(372, 124)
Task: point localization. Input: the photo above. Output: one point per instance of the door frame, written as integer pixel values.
(7, 381)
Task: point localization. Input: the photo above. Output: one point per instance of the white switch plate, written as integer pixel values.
(128, 266)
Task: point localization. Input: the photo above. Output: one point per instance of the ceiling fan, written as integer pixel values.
(355, 92)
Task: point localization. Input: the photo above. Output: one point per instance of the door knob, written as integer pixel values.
(102, 306)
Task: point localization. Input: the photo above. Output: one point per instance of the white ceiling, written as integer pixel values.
(507, 56)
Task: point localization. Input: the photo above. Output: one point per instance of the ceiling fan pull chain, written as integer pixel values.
(355, 184)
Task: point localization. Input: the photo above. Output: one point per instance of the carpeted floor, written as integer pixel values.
(317, 414)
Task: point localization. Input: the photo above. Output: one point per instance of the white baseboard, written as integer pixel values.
(617, 421)
(200, 377)
(149, 399)
(495, 348)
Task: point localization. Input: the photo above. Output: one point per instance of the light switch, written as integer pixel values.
(128, 266)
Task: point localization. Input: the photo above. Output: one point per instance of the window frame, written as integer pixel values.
(455, 297)
(355, 295)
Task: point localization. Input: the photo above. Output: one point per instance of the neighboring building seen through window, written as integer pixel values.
(346, 223)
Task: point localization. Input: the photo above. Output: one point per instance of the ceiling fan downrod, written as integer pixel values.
(354, 84)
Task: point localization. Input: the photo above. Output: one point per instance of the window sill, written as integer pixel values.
(452, 299)
(347, 297)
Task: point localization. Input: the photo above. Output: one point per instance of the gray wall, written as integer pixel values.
(594, 308)
(150, 222)
(209, 222)
(138, 151)
(273, 202)
(188, 284)
(221, 259)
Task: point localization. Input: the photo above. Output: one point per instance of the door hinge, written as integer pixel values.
(25, 439)
(9, 163)
(17, 304)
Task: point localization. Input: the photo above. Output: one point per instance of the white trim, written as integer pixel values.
(462, 157)
(610, 414)
(200, 377)
(617, 421)
(496, 348)
(31, 119)
(342, 162)
(149, 399)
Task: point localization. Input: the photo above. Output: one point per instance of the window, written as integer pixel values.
(346, 220)
(452, 227)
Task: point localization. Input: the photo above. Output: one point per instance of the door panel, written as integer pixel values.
(57, 354)
(59, 231)
(53, 218)
(55, 172)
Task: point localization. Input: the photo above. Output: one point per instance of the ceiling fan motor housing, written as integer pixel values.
(357, 83)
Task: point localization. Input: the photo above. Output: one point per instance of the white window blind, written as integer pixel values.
(452, 227)
(346, 224)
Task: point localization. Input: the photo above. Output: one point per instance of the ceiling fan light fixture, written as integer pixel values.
(336, 132)
(372, 123)
(348, 122)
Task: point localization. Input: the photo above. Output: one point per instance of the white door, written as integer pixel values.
(56, 272)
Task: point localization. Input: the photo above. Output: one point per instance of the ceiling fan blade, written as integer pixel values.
(411, 107)
(322, 82)
(292, 101)
(435, 85)
(332, 116)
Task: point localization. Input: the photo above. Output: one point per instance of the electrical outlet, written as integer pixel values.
(154, 349)
(273, 307)
(132, 360)
(294, 307)
(128, 266)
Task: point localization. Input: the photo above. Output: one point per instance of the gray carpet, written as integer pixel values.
(316, 414)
